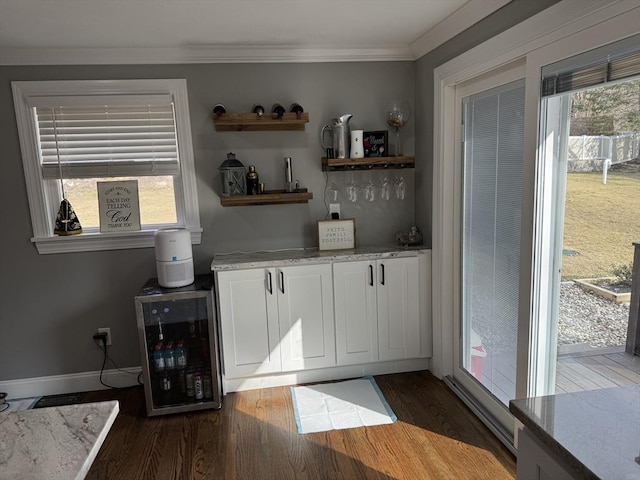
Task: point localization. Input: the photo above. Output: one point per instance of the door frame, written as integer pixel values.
(567, 28)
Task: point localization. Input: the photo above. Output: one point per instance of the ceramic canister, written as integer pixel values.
(357, 146)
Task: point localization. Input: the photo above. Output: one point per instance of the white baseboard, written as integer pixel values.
(75, 382)
(323, 374)
(128, 377)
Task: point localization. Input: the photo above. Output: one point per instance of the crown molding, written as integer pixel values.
(463, 18)
(458, 21)
(201, 54)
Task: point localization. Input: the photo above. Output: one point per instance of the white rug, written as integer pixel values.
(18, 404)
(334, 406)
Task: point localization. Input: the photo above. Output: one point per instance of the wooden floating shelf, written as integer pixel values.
(250, 122)
(329, 164)
(269, 197)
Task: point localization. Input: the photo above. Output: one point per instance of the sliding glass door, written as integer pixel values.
(492, 131)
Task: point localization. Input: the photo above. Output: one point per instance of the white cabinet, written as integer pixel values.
(249, 328)
(276, 319)
(311, 322)
(305, 307)
(536, 461)
(354, 290)
(398, 308)
(377, 310)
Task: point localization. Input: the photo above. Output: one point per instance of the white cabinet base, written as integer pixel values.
(323, 374)
(536, 461)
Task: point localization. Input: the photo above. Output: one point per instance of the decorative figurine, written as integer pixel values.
(252, 181)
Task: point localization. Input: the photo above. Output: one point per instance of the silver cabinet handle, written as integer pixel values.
(282, 281)
(382, 269)
(269, 284)
(371, 275)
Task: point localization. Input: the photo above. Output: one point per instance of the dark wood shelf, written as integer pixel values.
(250, 122)
(269, 197)
(329, 164)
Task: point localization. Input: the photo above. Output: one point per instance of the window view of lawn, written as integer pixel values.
(601, 222)
(156, 194)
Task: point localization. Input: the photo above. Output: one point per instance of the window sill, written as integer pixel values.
(96, 241)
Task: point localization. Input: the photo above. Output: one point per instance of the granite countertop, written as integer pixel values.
(596, 433)
(57, 443)
(301, 256)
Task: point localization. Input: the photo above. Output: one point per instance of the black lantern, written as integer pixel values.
(233, 176)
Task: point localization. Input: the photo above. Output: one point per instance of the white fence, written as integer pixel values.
(590, 148)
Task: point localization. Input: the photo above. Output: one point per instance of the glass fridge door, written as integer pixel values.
(178, 340)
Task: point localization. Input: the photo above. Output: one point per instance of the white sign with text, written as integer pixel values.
(336, 234)
(119, 206)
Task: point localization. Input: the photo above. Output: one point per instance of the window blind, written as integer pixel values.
(607, 64)
(82, 138)
(493, 178)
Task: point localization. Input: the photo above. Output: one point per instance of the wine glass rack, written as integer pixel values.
(334, 164)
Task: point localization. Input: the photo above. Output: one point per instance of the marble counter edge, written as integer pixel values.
(266, 259)
(33, 419)
(101, 438)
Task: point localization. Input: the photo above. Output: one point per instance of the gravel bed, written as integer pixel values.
(588, 318)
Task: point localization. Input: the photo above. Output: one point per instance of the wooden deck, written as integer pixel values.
(596, 368)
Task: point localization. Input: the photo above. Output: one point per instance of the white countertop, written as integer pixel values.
(57, 443)
(282, 258)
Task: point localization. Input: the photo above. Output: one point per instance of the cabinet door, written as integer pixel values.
(249, 322)
(354, 290)
(398, 308)
(305, 306)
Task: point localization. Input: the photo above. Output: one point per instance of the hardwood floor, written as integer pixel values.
(254, 437)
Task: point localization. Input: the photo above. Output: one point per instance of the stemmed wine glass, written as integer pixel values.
(400, 188)
(332, 192)
(370, 190)
(385, 187)
(351, 190)
(397, 113)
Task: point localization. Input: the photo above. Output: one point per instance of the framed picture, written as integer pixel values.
(376, 143)
(337, 234)
(118, 206)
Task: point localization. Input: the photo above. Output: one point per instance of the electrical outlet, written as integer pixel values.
(334, 208)
(108, 332)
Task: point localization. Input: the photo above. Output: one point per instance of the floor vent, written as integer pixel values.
(58, 400)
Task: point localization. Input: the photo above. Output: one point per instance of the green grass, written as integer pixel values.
(601, 222)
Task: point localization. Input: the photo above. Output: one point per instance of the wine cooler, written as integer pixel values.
(179, 347)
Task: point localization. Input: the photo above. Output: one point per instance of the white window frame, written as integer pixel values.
(44, 200)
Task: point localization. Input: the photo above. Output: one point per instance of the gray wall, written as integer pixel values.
(511, 14)
(50, 305)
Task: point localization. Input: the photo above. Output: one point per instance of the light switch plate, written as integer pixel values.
(334, 208)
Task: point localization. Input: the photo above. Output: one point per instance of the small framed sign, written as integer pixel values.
(337, 234)
(376, 143)
(119, 206)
